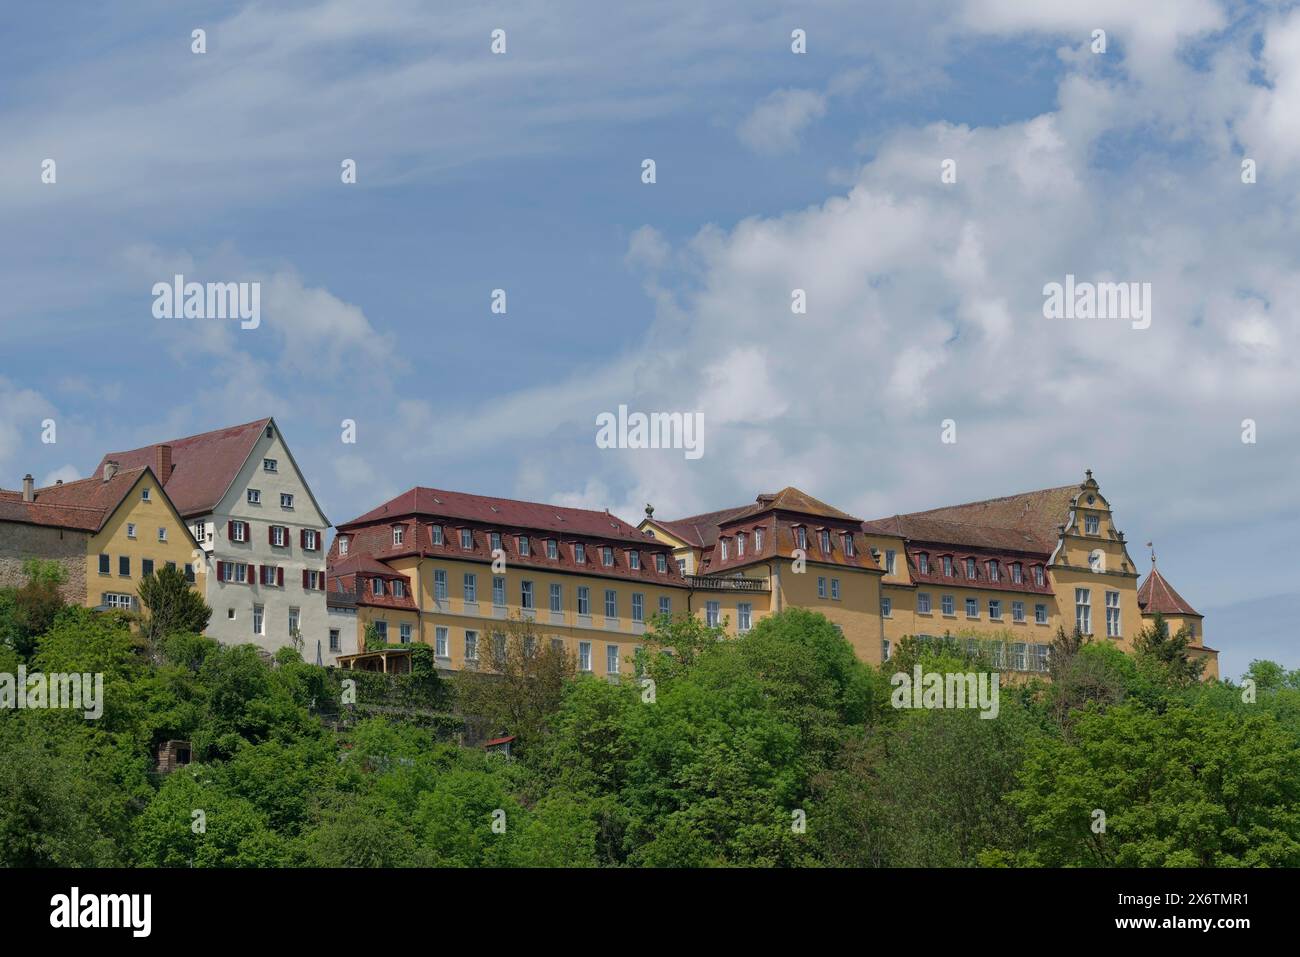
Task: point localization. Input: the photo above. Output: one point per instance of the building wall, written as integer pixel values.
(857, 611)
(19, 542)
(1071, 569)
(229, 598)
(115, 541)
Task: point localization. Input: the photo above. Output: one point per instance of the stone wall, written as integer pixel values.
(21, 542)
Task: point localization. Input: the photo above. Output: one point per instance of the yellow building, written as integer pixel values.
(108, 531)
(450, 569)
(1157, 597)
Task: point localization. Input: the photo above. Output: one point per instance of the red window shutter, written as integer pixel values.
(302, 538)
(270, 534)
(230, 530)
(221, 576)
(279, 577)
(321, 581)
(304, 578)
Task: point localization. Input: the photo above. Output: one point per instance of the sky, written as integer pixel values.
(775, 171)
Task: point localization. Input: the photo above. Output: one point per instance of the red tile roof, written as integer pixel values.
(1157, 595)
(82, 505)
(982, 579)
(203, 466)
(702, 531)
(1025, 522)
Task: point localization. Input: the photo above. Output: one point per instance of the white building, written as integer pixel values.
(261, 530)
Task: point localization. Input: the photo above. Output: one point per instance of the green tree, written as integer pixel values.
(172, 606)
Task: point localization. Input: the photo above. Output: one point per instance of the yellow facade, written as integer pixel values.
(143, 532)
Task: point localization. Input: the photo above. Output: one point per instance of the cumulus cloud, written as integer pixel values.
(775, 124)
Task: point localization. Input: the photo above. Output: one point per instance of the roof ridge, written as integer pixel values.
(187, 438)
(989, 501)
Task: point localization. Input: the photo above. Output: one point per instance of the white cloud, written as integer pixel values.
(775, 124)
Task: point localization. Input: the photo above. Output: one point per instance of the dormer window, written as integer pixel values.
(849, 549)
(970, 568)
(634, 559)
(398, 534)
(580, 553)
(722, 542)
(661, 563)
(801, 536)
(496, 541)
(740, 544)
(947, 566)
(1038, 575)
(607, 556)
(825, 537)
(758, 539)
(435, 534)
(377, 587)
(399, 589)
(1017, 573)
(522, 544)
(994, 573)
(466, 539)
(552, 548)
(343, 545)
(923, 563)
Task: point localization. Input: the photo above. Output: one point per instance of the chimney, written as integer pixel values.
(163, 462)
(110, 469)
(29, 494)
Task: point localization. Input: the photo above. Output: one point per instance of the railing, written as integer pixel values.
(711, 583)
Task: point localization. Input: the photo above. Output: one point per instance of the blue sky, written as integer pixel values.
(775, 171)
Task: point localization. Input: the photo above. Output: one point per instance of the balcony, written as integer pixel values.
(712, 583)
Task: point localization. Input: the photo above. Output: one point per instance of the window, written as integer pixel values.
(230, 614)
(1041, 653)
(995, 574)
(467, 543)
(681, 567)
(665, 605)
(722, 542)
(923, 602)
(923, 563)
(440, 584)
(526, 595)
(584, 656)
(1040, 614)
(286, 500)
(1091, 524)
(254, 496)
(947, 565)
(399, 533)
(1083, 610)
(310, 539)
(343, 546)
(498, 590)
(189, 573)
(552, 548)
(377, 586)
(105, 564)
(884, 649)
(584, 600)
(259, 620)
(293, 621)
(606, 555)
(821, 587)
(1018, 611)
(146, 566)
(890, 560)
(239, 532)
(404, 633)
(435, 534)
(638, 606)
(972, 608)
(970, 568)
(801, 536)
(740, 544)
(557, 598)
(233, 572)
(1038, 575)
(758, 539)
(835, 589)
(744, 616)
(399, 588)
(661, 563)
(1112, 614)
(886, 607)
(117, 600)
(334, 639)
(269, 465)
(496, 541)
(440, 642)
(278, 535)
(130, 530)
(124, 565)
(522, 544)
(312, 580)
(611, 603)
(580, 553)
(1017, 573)
(200, 532)
(471, 646)
(712, 613)
(849, 548)
(498, 648)
(825, 541)
(997, 653)
(948, 605)
(995, 609)
(1018, 656)
(634, 560)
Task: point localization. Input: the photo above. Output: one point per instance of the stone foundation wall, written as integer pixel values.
(21, 542)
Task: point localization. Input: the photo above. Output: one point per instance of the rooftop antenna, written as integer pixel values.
(1153, 554)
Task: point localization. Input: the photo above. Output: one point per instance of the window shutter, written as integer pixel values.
(304, 578)
(221, 571)
(230, 530)
(302, 538)
(270, 534)
(321, 581)
(279, 577)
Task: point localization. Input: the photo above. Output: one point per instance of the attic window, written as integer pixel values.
(801, 536)
(552, 548)
(398, 533)
(723, 543)
(270, 434)
(1038, 575)
(970, 568)
(923, 563)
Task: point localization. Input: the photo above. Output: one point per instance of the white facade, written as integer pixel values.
(246, 606)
